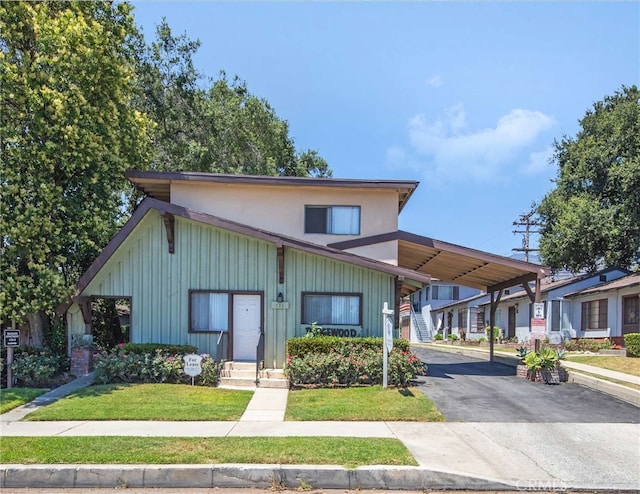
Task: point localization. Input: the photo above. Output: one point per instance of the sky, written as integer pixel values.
(465, 97)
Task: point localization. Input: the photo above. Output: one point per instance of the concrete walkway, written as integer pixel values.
(455, 455)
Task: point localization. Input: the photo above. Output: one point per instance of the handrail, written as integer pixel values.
(259, 353)
(417, 324)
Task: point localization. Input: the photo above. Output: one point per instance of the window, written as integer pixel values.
(556, 317)
(343, 309)
(445, 292)
(336, 220)
(594, 314)
(462, 319)
(209, 311)
(479, 327)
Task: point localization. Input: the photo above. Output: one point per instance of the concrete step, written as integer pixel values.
(239, 374)
(272, 374)
(273, 383)
(240, 365)
(237, 382)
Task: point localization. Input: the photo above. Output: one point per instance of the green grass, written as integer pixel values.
(14, 397)
(147, 402)
(347, 451)
(628, 365)
(367, 403)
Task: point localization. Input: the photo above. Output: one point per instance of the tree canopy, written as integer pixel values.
(84, 98)
(591, 219)
(69, 131)
(213, 125)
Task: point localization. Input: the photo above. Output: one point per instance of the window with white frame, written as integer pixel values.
(209, 311)
(332, 309)
(594, 314)
(336, 220)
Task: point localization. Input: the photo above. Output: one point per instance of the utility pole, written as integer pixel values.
(528, 222)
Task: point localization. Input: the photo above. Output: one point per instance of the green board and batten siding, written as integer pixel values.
(211, 258)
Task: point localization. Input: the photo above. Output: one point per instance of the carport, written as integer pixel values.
(460, 265)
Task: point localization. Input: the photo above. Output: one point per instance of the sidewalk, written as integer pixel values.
(460, 456)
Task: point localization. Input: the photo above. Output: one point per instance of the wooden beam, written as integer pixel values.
(169, 226)
(492, 320)
(398, 300)
(519, 280)
(527, 289)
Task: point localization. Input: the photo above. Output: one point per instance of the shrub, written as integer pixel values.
(438, 337)
(587, 345)
(452, 337)
(327, 344)
(546, 358)
(142, 348)
(361, 367)
(36, 368)
(632, 343)
(496, 332)
(120, 365)
(482, 339)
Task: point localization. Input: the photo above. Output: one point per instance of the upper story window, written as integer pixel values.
(445, 292)
(336, 220)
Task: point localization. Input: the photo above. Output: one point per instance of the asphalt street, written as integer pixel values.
(466, 389)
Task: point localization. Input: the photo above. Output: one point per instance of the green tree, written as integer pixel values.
(214, 126)
(592, 217)
(68, 132)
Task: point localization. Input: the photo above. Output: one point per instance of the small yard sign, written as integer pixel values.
(538, 310)
(538, 329)
(192, 365)
(11, 337)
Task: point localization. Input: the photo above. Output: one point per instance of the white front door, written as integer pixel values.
(246, 326)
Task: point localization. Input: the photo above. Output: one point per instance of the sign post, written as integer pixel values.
(192, 365)
(11, 339)
(387, 341)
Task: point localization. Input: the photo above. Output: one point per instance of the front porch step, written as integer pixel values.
(243, 374)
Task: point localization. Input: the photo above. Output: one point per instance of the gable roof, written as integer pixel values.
(549, 284)
(630, 280)
(157, 184)
(164, 208)
(450, 262)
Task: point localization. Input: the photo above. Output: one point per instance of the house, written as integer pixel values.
(608, 310)
(236, 265)
(515, 309)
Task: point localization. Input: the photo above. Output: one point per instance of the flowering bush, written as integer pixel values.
(120, 365)
(363, 367)
(36, 368)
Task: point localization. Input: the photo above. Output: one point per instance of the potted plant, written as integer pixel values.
(544, 365)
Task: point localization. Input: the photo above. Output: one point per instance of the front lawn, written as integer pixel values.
(347, 451)
(14, 397)
(147, 402)
(628, 365)
(362, 403)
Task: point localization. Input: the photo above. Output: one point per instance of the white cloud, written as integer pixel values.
(435, 81)
(452, 151)
(538, 162)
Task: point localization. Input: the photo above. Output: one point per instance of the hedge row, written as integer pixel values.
(299, 347)
(165, 348)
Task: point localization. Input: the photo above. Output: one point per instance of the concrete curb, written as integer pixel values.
(234, 475)
(623, 393)
(268, 476)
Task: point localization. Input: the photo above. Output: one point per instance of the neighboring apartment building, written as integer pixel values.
(567, 316)
(224, 262)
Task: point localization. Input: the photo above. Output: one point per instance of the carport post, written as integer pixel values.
(492, 319)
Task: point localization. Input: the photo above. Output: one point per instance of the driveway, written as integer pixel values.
(466, 389)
